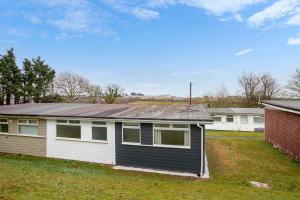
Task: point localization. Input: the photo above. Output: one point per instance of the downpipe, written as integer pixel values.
(202, 149)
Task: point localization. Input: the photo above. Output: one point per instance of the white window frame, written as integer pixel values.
(241, 116)
(67, 124)
(232, 119)
(99, 125)
(4, 123)
(132, 127)
(219, 116)
(175, 129)
(28, 124)
(258, 117)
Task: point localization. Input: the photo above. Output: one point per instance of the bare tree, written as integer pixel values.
(71, 86)
(112, 91)
(222, 92)
(269, 86)
(294, 84)
(94, 92)
(250, 85)
(221, 96)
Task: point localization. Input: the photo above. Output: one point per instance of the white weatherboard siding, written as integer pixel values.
(84, 149)
(234, 126)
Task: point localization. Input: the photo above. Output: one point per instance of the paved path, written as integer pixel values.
(234, 137)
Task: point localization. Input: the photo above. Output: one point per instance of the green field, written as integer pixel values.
(232, 162)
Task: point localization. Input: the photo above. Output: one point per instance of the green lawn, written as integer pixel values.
(235, 134)
(233, 163)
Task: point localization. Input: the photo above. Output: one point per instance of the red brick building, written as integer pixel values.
(282, 126)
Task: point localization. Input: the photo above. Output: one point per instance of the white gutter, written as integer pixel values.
(280, 108)
(202, 148)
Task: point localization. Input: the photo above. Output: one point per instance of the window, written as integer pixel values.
(28, 126)
(244, 119)
(131, 132)
(172, 135)
(217, 119)
(68, 129)
(259, 120)
(99, 130)
(3, 126)
(229, 118)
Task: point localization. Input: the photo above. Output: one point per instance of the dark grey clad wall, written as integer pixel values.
(173, 159)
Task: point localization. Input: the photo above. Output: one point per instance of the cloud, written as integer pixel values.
(132, 8)
(76, 16)
(216, 7)
(294, 41)
(294, 20)
(243, 52)
(277, 10)
(16, 32)
(145, 9)
(145, 14)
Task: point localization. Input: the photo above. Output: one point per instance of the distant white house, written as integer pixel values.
(237, 119)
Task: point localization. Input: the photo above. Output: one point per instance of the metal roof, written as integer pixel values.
(245, 111)
(288, 104)
(111, 111)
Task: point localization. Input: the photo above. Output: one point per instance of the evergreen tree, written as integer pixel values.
(44, 76)
(28, 81)
(2, 81)
(10, 77)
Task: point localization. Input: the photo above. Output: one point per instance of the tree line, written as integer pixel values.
(30, 83)
(254, 88)
(37, 82)
(73, 86)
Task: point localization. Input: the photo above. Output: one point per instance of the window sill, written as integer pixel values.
(172, 146)
(79, 140)
(22, 135)
(157, 146)
(131, 143)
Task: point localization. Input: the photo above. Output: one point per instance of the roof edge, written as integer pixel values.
(202, 121)
(280, 107)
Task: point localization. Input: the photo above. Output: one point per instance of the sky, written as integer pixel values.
(157, 46)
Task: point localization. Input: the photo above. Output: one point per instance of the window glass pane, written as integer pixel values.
(61, 121)
(68, 131)
(28, 130)
(162, 125)
(244, 119)
(74, 121)
(259, 120)
(99, 133)
(98, 123)
(131, 135)
(171, 137)
(131, 124)
(229, 118)
(3, 120)
(3, 128)
(22, 121)
(33, 121)
(217, 119)
(180, 126)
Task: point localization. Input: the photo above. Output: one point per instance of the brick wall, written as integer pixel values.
(283, 131)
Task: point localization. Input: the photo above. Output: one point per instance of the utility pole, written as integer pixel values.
(190, 93)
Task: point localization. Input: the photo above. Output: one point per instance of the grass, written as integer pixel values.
(235, 134)
(233, 163)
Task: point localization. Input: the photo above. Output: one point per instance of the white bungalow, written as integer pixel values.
(237, 119)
